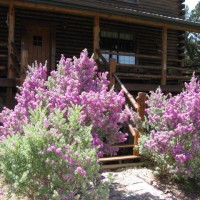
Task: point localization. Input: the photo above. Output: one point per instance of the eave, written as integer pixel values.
(125, 15)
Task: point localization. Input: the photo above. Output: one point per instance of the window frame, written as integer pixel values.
(116, 46)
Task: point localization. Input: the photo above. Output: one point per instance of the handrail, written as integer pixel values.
(131, 129)
(139, 105)
(129, 96)
(98, 52)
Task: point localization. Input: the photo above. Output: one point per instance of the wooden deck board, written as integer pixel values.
(123, 165)
(117, 158)
(123, 146)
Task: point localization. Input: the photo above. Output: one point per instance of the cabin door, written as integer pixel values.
(36, 41)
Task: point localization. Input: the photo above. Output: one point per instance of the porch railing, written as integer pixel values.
(147, 72)
(139, 106)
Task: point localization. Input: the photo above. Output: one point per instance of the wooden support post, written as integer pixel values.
(24, 64)
(113, 64)
(164, 56)
(11, 71)
(141, 100)
(135, 143)
(11, 36)
(96, 31)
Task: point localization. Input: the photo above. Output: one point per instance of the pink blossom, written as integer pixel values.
(59, 151)
(80, 171)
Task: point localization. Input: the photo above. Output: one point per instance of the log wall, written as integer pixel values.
(3, 39)
(72, 33)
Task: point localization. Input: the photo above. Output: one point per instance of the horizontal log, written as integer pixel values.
(178, 77)
(2, 68)
(3, 44)
(133, 75)
(181, 69)
(3, 56)
(6, 82)
(151, 87)
(139, 66)
(175, 60)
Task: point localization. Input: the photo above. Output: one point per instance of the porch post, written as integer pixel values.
(96, 31)
(164, 56)
(11, 32)
(23, 66)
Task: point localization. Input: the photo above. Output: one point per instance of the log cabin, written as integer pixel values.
(140, 41)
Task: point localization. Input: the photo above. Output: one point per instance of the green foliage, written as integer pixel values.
(192, 40)
(52, 159)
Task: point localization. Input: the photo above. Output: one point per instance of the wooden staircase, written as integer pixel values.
(132, 159)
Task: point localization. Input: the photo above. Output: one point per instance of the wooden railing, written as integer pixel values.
(139, 106)
(149, 72)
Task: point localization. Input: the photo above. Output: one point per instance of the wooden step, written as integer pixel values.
(117, 158)
(123, 165)
(123, 146)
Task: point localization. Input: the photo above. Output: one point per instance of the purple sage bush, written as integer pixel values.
(74, 82)
(52, 158)
(174, 126)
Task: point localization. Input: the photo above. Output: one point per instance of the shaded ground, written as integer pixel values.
(141, 184)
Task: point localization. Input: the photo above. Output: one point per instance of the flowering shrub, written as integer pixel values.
(52, 158)
(77, 83)
(174, 125)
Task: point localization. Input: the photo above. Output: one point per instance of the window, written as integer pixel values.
(37, 40)
(117, 43)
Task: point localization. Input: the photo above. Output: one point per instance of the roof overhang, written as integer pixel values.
(114, 13)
